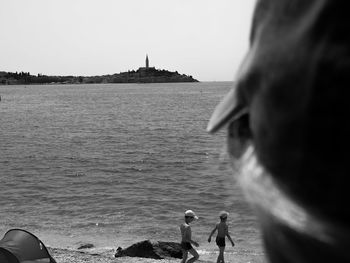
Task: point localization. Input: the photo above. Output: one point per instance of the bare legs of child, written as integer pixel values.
(185, 255)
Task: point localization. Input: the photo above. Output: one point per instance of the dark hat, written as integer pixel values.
(223, 214)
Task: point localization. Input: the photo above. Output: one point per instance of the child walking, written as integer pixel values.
(186, 238)
(222, 229)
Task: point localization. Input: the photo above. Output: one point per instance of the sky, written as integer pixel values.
(206, 39)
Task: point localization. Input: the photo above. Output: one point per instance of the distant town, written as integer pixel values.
(145, 74)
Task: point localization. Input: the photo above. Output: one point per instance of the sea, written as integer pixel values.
(115, 164)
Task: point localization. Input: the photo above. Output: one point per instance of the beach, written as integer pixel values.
(70, 256)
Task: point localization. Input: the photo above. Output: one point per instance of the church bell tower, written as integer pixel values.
(147, 62)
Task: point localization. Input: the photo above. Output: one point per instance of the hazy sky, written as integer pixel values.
(203, 38)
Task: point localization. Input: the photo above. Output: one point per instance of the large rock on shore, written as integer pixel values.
(148, 249)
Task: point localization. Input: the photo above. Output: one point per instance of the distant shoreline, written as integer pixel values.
(142, 75)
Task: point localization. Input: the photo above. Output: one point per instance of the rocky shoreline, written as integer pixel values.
(70, 256)
(144, 251)
(74, 256)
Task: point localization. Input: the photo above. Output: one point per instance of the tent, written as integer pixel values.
(20, 246)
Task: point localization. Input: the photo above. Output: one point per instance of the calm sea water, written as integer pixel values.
(116, 164)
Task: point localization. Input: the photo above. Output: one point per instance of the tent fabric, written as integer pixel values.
(7, 257)
(20, 246)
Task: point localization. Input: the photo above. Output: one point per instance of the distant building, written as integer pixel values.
(147, 62)
(147, 65)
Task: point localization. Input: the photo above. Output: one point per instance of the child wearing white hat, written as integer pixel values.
(186, 238)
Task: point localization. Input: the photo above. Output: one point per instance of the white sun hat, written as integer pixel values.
(190, 213)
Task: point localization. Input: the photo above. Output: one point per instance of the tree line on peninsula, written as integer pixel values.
(142, 75)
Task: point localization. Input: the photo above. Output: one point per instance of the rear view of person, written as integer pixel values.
(288, 130)
(222, 229)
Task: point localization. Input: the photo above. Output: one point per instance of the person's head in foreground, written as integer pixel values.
(190, 216)
(288, 120)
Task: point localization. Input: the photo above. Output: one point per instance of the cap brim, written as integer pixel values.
(196, 217)
(228, 110)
